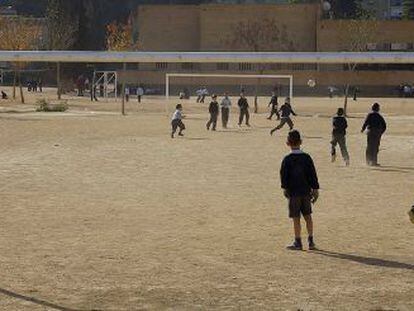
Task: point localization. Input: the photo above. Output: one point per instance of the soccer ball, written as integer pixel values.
(311, 83)
(326, 6)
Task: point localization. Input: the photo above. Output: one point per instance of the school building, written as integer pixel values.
(288, 27)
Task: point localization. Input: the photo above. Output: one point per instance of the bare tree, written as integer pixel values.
(360, 33)
(19, 33)
(62, 30)
(260, 36)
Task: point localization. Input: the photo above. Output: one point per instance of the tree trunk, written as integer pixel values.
(256, 91)
(14, 84)
(346, 100)
(59, 93)
(21, 88)
(256, 105)
(124, 67)
(351, 68)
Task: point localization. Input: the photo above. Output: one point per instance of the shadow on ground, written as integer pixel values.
(370, 261)
(38, 301)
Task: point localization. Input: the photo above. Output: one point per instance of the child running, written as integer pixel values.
(285, 112)
(213, 109)
(177, 122)
(339, 125)
(301, 187)
(274, 107)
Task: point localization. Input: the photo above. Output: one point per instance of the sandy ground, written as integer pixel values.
(104, 212)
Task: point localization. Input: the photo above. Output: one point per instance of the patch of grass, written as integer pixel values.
(45, 106)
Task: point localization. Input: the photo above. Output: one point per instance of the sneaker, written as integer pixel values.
(312, 246)
(180, 134)
(295, 247)
(333, 158)
(347, 163)
(172, 135)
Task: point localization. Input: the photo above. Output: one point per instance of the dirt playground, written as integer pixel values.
(106, 212)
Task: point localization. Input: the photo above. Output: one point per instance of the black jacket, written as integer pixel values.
(375, 121)
(243, 104)
(286, 110)
(340, 125)
(273, 102)
(213, 108)
(298, 174)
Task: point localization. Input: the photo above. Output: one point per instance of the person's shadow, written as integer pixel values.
(37, 301)
(370, 261)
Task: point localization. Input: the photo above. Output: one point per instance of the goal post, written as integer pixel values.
(169, 76)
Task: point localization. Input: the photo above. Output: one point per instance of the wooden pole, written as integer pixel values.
(123, 89)
(59, 94)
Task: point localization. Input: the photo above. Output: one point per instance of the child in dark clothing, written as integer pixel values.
(376, 126)
(339, 125)
(285, 112)
(274, 107)
(213, 109)
(177, 122)
(301, 187)
(411, 214)
(244, 110)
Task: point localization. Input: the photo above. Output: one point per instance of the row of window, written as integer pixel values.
(385, 47)
(241, 66)
(283, 67)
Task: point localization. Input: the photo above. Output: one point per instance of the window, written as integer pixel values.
(223, 66)
(400, 46)
(161, 66)
(276, 67)
(298, 67)
(245, 66)
(187, 66)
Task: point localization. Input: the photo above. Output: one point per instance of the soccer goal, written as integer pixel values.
(170, 76)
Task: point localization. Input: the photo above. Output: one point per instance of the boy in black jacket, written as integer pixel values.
(274, 107)
(285, 112)
(339, 125)
(301, 187)
(213, 109)
(244, 110)
(376, 126)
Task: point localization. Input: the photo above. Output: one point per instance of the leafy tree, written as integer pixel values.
(19, 34)
(120, 36)
(408, 9)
